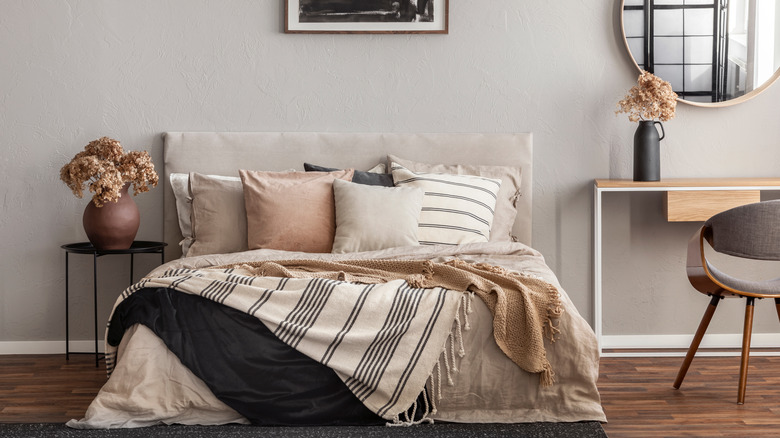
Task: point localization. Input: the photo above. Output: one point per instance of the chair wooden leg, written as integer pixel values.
(777, 307)
(705, 322)
(746, 334)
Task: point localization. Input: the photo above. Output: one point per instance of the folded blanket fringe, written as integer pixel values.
(450, 364)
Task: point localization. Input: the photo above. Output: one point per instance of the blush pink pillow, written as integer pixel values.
(291, 211)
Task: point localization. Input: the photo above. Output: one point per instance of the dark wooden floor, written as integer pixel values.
(636, 393)
(46, 389)
(639, 400)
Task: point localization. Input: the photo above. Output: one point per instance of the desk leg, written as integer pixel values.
(597, 311)
(67, 328)
(94, 295)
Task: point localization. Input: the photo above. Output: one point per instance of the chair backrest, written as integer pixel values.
(749, 231)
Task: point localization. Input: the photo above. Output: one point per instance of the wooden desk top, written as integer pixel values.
(688, 182)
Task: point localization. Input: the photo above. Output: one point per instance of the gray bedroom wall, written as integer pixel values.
(73, 71)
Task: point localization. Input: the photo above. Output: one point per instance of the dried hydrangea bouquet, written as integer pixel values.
(111, 219)
(650, 99)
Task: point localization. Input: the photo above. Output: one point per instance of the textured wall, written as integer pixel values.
(73, 71)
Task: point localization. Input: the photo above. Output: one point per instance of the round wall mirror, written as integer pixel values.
(713, 52)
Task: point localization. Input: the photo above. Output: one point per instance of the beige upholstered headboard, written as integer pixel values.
(223, 153)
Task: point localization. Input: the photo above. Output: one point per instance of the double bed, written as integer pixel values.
(343, 296)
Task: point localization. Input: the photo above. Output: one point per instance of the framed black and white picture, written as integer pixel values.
(366, 16)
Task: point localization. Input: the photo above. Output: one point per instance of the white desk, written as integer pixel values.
(668, 185)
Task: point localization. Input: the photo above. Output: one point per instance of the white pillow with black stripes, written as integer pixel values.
(456, 209)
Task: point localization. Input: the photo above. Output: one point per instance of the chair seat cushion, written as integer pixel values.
(765, 287)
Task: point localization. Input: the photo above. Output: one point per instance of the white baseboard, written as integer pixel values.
(661, 342)
(47, 347)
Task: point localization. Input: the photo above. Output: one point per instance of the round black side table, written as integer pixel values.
(138, 247)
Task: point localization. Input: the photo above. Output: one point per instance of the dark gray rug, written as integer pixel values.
(439, 430)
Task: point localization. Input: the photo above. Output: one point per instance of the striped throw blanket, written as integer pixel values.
(383, 340)
(380, 325)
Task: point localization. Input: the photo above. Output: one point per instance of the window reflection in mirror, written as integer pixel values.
(709, 50)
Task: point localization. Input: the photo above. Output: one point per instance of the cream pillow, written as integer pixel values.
(291, 211)
(370, 218)
(218, 215)
(456, 209)
(180, 184)
(510, 176)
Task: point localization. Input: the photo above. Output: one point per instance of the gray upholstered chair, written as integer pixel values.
(751, 231)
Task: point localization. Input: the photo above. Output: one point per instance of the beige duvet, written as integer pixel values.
(150, 385)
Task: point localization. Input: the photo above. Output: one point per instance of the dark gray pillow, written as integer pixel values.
(360, 177)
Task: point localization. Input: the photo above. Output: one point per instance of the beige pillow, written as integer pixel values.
(291, 211)
(371, 218)
(504, 219)
(218, 215)
(456, 209)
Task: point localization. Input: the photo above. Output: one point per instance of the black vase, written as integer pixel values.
(647, 151)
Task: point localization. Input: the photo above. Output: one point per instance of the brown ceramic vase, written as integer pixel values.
(115, 224)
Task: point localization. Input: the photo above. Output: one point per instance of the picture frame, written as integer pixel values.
(373, 16)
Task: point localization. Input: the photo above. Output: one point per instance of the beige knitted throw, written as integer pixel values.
(525, 309)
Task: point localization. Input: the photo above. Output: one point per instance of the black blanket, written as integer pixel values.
(269, 384)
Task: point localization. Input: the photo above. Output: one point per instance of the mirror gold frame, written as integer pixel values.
(747, 96)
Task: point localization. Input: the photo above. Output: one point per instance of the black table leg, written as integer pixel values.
(67, 332)
(95, 279)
